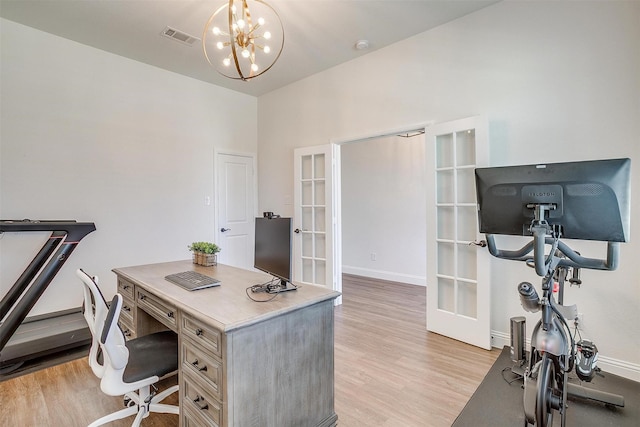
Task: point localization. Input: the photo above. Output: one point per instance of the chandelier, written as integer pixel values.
(241, 42)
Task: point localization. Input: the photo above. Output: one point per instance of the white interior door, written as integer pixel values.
(458, 287)
(235, 201)
(316, 226)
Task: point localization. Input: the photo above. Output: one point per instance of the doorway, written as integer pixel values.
(383, 208)
(457, 274)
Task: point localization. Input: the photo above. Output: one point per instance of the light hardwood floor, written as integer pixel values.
(388, 371)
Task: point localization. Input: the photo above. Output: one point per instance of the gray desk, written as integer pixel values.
(242, 363)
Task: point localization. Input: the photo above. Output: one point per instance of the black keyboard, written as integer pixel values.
(192, 280)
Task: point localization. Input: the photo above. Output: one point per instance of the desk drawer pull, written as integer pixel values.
(170, 314)
(143, 297)
(126, 308)
(195, 365)
(199, 399)
(198, 332)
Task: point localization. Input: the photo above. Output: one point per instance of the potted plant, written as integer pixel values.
(204, 253)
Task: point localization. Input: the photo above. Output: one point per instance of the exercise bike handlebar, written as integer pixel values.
(573, 259)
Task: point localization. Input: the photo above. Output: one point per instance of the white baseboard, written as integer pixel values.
(385, 275)
(607, 364)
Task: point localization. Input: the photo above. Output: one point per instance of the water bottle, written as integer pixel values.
(529, 297)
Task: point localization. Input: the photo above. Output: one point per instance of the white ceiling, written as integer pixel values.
(319, 34)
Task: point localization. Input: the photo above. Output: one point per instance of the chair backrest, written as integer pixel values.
(116, 354)
(95, 311)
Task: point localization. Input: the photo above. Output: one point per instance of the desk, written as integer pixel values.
(242, 363)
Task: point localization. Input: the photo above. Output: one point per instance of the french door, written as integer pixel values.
(316, 217)
(458, 287)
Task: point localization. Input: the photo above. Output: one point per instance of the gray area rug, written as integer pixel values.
(497, 402)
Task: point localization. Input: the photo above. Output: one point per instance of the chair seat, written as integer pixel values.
(149, 355)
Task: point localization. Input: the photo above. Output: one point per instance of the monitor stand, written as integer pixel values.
(284, 287)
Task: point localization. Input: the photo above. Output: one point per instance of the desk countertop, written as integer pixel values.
(226, 306)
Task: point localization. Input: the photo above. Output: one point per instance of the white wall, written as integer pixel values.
(92, 136)
(384, 177)
(558, 82)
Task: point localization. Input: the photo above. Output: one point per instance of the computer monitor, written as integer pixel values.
(590, 199)
(273, 247)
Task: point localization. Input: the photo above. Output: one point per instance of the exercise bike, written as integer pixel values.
(579, 200)
(553, 348)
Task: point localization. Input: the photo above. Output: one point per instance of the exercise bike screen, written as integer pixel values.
(590, 200)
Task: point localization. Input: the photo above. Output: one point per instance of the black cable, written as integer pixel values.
(250, 288)
(568, 329)
(271, 287)
(518, 377)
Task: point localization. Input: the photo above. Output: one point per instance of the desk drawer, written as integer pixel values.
(127, 328)
(158, 308)
(201, 403)
(204, 335)
(125, 288)
(201, 365)
(126, 313)
(189, 419)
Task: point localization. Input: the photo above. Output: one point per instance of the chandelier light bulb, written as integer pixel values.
(226, 62)
(245, 53)
(254, 67)
(216, 31)
(220, 45)
(241, 23)
(267, 35)
(266, 49)
(261, 21)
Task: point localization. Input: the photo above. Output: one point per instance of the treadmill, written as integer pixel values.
(25, 339)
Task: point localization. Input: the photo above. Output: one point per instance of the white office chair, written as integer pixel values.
(128, 366)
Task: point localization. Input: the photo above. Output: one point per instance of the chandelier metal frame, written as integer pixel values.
(240, 44)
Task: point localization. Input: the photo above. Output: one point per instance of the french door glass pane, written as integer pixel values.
(307, 193)
(445, 186)
(467, 268)
(318, 170)
(446, 294)
(467, 217)
(319, 193)
(320, 272)
(466, 148)
(307, 270)
(444, 151)
(319, 220)
(307, 244)
(306, 166)
(466, 183)
(446, 223)
(320, 244)
(467, 297)
(446, 259)
(307, 219)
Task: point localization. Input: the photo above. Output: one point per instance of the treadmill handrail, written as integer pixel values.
(24, 294)
(75, 230)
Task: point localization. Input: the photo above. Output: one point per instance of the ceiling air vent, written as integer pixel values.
(179, 36)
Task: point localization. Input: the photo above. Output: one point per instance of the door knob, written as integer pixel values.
(225, 229)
